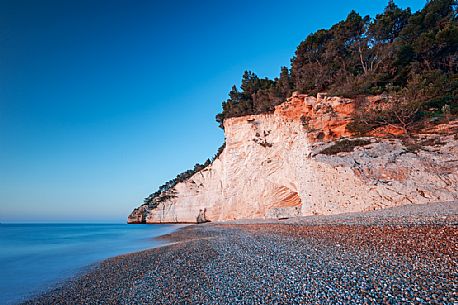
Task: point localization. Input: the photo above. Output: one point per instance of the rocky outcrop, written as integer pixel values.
(298, 161)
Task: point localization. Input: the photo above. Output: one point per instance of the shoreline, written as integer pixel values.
(45, 257)
(405, 258)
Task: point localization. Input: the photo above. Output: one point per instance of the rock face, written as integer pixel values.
(288, 164)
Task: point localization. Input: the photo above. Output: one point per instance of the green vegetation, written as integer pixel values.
(344, 145)
(257, 95)
(411, 58)
(171, 183)
(162, 193)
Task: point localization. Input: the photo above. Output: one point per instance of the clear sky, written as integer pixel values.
(103, 101)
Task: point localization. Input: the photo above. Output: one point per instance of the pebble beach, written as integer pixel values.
(397, 257)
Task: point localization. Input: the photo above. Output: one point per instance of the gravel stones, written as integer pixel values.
(279, 264)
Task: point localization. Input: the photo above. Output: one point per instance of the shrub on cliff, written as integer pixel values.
(344, 145)
(425, 95)
(164, 192)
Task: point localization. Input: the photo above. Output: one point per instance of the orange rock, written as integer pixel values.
(388, 130)
(325, 118)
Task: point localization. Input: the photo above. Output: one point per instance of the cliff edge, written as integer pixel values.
(302, 160)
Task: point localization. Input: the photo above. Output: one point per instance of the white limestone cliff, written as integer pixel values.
(275, 165)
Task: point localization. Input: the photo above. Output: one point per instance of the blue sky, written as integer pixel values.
(103, 101)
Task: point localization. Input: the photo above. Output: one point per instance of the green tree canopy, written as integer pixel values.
(394, 52)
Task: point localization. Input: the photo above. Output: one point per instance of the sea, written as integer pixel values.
(35, 258)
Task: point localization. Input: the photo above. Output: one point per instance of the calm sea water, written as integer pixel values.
(36, 257)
